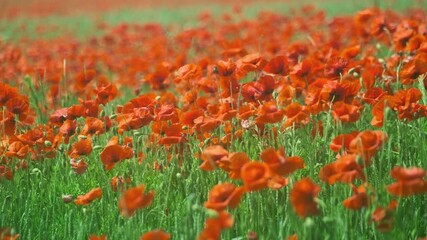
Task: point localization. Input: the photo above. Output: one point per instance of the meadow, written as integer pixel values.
(251, 120)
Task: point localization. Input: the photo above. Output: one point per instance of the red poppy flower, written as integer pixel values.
(367, 143)
(95, 237)
(346, 113)
(410, 181)
(277, 65)
(342, 141)
(18, 149)
(113, 154)
(296, 114)
(68, 129)
(224, 195)
(346, 169)
(384, 217)
(269, 113)
(6, 233)
(233, 164)
(157, 234)
(279, 163)
(215, 225)
(302, 197)
(93, 126)
(188, 72)
(211, 156)
(361, 198)
(78, 166)
(134, 199)
(255, 175)
(118, 183)
(89, 197)
(225, 68)
(5, 173)
(81, 148)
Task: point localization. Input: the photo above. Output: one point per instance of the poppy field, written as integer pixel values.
(265, 120)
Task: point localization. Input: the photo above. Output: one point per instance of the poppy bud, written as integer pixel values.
(67, 198)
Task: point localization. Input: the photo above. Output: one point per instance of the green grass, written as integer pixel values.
(33, 206)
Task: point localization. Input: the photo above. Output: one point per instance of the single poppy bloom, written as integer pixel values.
(279, 163)
(95, 237)
(188, 72)
(89, 197)
(277, 182)
(224, 195)
(360, 198)
(93, 126)
(346, 113)
(157, 234)
(346, 169)
(6, 233)
(79, 166)
(367, 143)
(255, 175)
(67, 198)
(5, 173)
(296, 114)
(68, 128)
(118, 183)
(134, 199)
(113, 154)
(215, 225)
(81, 148)
(211, 156)
(342, 141)
(17, 149)
(303, 196)
(409, 181)
(225, 68)
(269, 113)
(384, 217)
(234, 163)
(18, 105)
(277, 65)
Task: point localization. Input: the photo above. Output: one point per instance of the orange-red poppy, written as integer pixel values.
(6, 233)
(18, 149)
(296, 114)
(346, 113)
(119, 183)
(89, 197)
(5, 173)
(233, 164)
(68, 129)
(134, 199)
(96, 237)
(269, 113)
(78, 166)
(224, 195)
(303, 196)
(211, 156)
(361, 198)
(346, 169)
(93, 126)
(367, 143)
(83, 147)
(255, 175)
(113, 154)
(157, 234)
(409, 181)
(215, 225)
(384, 217)
(279, 163)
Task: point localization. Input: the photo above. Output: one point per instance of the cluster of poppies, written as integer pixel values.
(225, 76)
